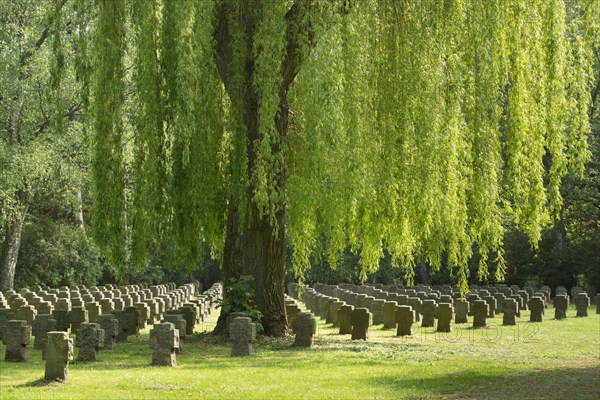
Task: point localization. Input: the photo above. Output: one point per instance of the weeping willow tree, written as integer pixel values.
(409, 126)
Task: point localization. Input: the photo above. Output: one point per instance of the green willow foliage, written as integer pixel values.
(150, 157)
(268, 51)
(415, 126)
(442, 112)
(107, 108)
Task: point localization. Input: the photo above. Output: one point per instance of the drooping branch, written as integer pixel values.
(224, 51)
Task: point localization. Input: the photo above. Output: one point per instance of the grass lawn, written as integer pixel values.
(551, 360)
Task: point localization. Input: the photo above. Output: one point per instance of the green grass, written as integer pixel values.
(552, 359)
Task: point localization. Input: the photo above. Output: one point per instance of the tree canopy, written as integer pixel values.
(415, 125)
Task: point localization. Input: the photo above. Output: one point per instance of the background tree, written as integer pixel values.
(40, 143)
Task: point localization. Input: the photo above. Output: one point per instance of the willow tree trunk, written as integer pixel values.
(257, 248)
(257, 251)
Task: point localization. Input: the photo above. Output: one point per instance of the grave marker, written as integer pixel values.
(242, 332)
(164, 341)
(444, 317)
(480, 313)
(361, 319)
(536, 305)
(89, 339)
(304, 327)
(405, 317)
(59, 351)
(16, 337)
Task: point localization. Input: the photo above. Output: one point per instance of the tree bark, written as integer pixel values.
(10, 251)
(560, 233)
(257, 251)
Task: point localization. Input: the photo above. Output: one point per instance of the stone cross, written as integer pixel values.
(499, 296)
(127, 301)
(445, 298)
(361, 319)
(228, 321)
(26, 313)
(405, 317)
(561, 305)
(401, 299)
(42, 324)
(327, 309)
(582, 302)
(110, 325)
(62, 303)
(143, 314)
(242, 332)
(471, 297)
(63, 319)
(491, 301)
(525, 296)
(428, 313)
(16, 337)
(536, 305)
(179, 323)
(376, 309)
(461, 308)
(58, 353)
(128, 322)
(509, 311)
(118, 304)
(89, 339)
(292, 309)
(154, 308)
(597, 299)
(480, 313)
(388, 314)
(164, 341)
(107, 306)
(160, 306)
(304, 327)
(45, 307)
(415, 303)
(333, 309)
(188, 310)
(16, 301)
(444, 316)
(344, 314)
(519, 301)
(78, 316)
(6, 314)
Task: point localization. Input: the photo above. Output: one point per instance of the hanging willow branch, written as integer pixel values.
(107, 107)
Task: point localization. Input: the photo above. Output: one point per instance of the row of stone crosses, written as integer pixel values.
(355, 308)
(100, 317)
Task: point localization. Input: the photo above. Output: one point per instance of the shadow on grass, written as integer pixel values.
(559, 383)
(39, 383)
